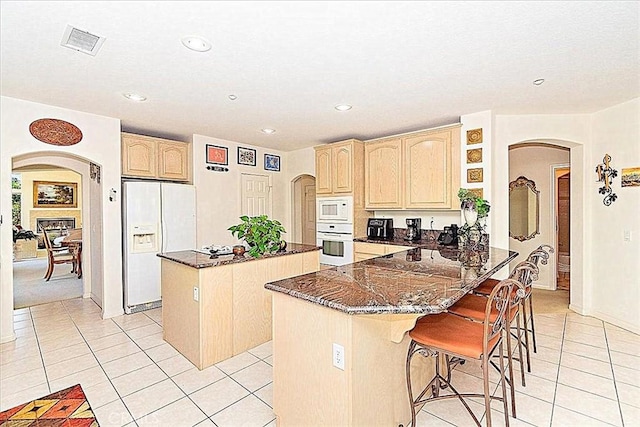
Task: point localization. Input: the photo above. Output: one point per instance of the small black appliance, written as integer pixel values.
(449, 237)
(413, 229)
(380, 228)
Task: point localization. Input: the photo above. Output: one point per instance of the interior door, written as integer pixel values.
(256, 195)
(309, 212)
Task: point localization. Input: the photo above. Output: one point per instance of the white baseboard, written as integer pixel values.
(578, 309)
(617, 322)
(8, 338)
(109, 315)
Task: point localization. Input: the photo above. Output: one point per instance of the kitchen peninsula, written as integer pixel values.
(365, 308)
(214, 308)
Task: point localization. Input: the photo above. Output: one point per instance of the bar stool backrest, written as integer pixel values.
(524, 274)
(500, 299)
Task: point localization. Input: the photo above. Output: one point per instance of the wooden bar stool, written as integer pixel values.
(472, 307)
(540, 254)
(453, 336)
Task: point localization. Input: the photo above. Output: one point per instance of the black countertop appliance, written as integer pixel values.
(413, 229)
(380, 228)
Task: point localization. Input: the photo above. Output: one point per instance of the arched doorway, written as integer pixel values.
(304, 209)
(92, 286)
(573, 158)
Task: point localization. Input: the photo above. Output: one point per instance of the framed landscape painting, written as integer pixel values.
(55, 194)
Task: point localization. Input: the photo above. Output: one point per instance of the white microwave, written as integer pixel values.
(335, 209)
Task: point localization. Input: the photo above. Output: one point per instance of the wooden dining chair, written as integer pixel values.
(452, 336)
(56, 256)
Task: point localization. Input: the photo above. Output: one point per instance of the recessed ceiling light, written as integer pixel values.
(135, 97)
(538, 82)
(268, 131)
(197, 43)
(233, 97)
(343, 107)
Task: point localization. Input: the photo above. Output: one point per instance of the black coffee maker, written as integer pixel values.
(413, 229)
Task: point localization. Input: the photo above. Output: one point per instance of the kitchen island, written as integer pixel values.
(215, 307)
(365, 308)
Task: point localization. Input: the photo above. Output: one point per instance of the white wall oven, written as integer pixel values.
(336, 241)
(335, 209)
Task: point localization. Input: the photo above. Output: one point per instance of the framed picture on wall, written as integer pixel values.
(246, 156)
(217, 155)
(272, 162)
(55, 194)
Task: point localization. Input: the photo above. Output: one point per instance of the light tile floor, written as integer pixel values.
(585, 373)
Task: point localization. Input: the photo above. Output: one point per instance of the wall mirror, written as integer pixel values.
(524, 209)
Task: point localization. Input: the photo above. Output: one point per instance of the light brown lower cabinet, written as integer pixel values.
(232, 311)
(364, 250)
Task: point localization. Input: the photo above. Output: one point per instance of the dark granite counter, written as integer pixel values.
(413, 281)
(197, 259)
(428, 239)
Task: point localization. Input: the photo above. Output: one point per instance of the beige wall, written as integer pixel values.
(603, 283)
(614, 294)
(29, 213)
(535, 163)
(218, 193)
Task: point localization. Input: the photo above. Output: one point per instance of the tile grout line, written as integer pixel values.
(44, 369)
(613, 373)
(99, 364)
(555, 389)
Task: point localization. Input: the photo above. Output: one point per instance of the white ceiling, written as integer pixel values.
(402, 65)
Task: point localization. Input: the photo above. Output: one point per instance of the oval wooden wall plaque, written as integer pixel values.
(55, 132)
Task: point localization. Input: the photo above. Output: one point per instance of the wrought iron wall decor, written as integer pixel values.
(94, 172)
(605, 174)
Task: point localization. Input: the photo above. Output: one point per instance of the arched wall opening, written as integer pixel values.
(91, 212)
(500, 221)
(303, 202)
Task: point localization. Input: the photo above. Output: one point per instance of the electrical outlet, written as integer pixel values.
(627, 235)
(338, 356)
(196, 293)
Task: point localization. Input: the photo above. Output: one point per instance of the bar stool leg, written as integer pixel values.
(520, 359)
(412, 347)
(511, 379)
(533, 326)
(526, 334)
(504, 392)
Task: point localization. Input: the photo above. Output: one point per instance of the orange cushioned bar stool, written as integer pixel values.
(472, 307)
(447, 335)
(538, 255)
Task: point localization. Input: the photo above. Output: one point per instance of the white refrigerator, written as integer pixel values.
(157, 217)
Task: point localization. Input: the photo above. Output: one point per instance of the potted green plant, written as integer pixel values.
(261, 234)
(474, 209)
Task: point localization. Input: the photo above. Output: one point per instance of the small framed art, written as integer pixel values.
(217, 155)
(246, 156)
(272, 162)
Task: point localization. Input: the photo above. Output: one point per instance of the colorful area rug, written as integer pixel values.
(68, 408)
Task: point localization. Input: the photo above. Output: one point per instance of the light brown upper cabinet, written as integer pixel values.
(337, 166)
(420, 170)
(148, 157)
(384, 181)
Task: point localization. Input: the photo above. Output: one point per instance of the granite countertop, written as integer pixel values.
(197, 259)
(427, 240)
(414, 281)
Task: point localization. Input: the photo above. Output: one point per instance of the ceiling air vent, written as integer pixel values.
(82, 41)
